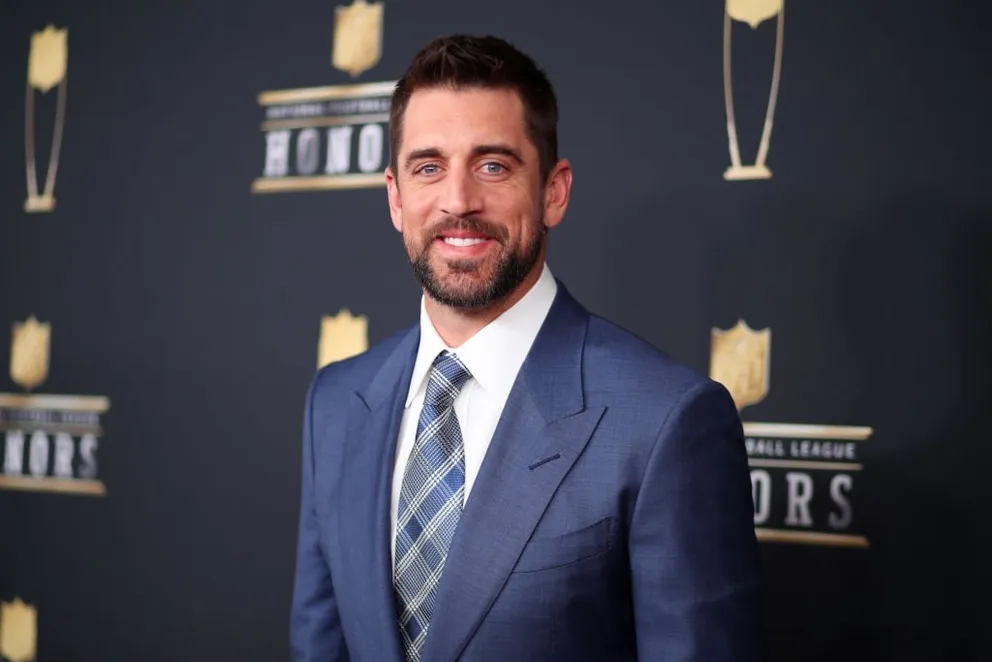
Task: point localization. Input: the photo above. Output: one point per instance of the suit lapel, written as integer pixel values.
(544, 428)
(364, 500)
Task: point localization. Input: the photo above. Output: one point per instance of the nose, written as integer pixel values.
(460, 194)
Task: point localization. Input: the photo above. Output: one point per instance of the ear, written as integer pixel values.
(557, 190)
(395, 202)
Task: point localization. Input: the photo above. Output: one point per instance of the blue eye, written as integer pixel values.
(424, 169)
(493, 168)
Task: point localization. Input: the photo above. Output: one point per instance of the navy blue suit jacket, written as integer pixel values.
(611, 519)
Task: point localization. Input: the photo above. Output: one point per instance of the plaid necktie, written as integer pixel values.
(430, 502)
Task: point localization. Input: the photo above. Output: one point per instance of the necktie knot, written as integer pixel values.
(448, 375)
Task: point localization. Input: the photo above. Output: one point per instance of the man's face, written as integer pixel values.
(467, 195)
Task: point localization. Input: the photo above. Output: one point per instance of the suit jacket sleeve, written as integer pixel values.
(315, 627)
(694, 558)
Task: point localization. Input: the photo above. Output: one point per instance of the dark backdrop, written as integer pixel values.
(193, 303)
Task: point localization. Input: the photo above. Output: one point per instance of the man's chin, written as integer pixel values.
(467, 291)
(461, 294)
(468, 283)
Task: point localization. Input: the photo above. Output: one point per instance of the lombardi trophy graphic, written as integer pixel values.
(46, 69)
(753, 13)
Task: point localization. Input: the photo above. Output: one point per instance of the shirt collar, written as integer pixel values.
(494, 354)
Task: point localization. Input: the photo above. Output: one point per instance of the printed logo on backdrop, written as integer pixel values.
(320, 138)
(752, 13)
(50, 442)
(803, 475)
(47, 64)
(342, 336)
(18, 631)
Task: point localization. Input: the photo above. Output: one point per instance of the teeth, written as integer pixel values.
(458, 241)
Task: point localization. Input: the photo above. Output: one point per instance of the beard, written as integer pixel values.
(474, 284)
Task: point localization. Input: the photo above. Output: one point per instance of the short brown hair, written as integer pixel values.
(462, 61)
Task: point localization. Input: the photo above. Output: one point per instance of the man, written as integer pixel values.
(513, 478)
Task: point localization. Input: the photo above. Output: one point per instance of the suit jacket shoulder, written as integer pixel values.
(623, 370)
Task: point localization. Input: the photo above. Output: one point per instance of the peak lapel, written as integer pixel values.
(366, 485)
(544, 428)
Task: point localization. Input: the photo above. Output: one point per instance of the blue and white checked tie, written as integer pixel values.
(430, 503)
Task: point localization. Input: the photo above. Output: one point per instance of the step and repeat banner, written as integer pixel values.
(791, 197)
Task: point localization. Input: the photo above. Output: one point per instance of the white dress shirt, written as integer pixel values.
(493, 356)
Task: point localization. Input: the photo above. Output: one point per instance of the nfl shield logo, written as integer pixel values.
(342, 336)
(357, 37)
(18, 631)
(29, 353)
(739, 359)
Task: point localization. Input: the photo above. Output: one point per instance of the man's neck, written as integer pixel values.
(457, 325)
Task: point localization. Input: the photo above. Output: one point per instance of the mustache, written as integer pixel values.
(468, 224)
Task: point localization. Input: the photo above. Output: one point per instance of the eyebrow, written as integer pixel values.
(479, 150)
(417, 154)
(504, 150)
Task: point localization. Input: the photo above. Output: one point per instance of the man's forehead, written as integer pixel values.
(442, 116)
(464, 108)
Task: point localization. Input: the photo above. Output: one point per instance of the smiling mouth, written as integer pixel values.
(463, 244)
(464, 241)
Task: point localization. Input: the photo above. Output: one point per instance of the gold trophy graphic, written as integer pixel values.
(752, 12)
(46, 69)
